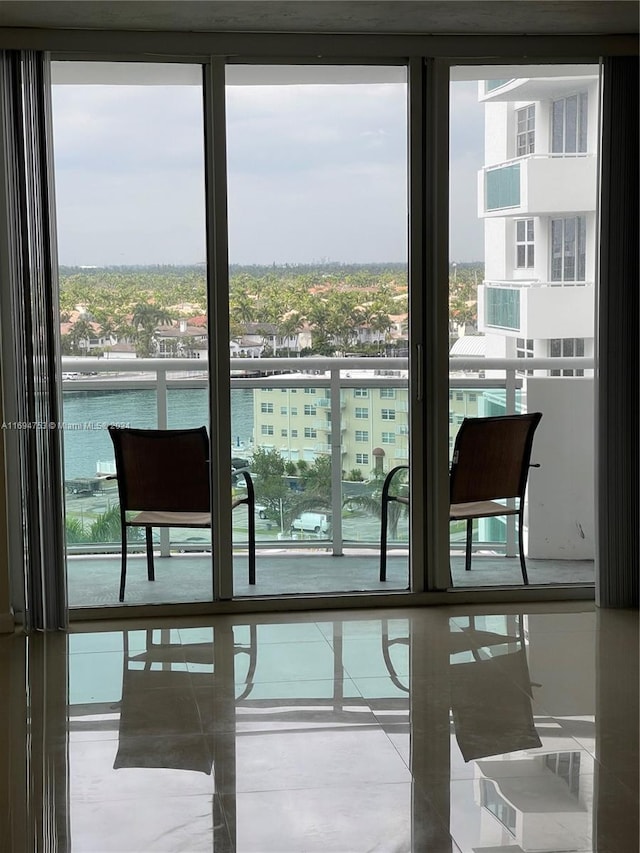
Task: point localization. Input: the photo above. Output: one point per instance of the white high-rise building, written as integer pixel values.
(537, 196)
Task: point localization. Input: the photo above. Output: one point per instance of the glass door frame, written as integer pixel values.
(428, 261)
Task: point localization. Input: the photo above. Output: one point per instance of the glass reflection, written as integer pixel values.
(389, 734)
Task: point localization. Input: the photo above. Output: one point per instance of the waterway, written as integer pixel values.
(86, 415)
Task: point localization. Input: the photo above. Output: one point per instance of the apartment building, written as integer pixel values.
(537, 196)
(374, 421)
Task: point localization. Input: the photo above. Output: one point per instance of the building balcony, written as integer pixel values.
(153, 393)
(538, 185)
(537, 309)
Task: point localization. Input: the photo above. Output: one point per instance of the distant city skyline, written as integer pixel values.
(316, 173)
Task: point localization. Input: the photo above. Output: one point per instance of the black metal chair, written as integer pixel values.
(163, 477)
(491, 461)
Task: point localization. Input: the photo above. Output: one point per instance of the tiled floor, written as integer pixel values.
(94, 580)
(424, 730)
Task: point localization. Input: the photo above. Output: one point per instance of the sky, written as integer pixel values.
(316, 173)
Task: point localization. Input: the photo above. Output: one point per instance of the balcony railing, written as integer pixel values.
(499, 379)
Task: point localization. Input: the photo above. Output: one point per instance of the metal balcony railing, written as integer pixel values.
(333, 374)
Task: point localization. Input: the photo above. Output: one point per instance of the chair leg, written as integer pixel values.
(151, 575)
(467, 557)
(523, 565)
(123, 570)
(252, 544)
(384, 523)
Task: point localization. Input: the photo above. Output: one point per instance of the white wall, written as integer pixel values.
(561, 516)
(557, 312)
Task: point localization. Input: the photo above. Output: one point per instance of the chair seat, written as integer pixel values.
(480, 509)
(171, 519)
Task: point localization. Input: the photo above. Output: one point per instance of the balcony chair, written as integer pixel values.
(491, 461)
(163, 477)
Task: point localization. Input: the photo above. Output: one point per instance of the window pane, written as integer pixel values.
(569, 250)
(557, 231)
(557, 129)
(571, 124)
(582, 119)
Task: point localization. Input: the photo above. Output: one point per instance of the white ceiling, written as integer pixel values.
(558, 17)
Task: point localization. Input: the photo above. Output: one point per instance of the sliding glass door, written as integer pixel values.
(129, 167)
(318, 314)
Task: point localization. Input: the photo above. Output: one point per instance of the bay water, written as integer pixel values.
(86, 415)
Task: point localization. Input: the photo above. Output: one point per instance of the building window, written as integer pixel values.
(404, 429)
(266, 408)
(525, 130)
(309, 409)
(283, 433)
(309, 432)
(294, 410)
(362, 458)
(524, 244)
(566, 348)
(360, 393)
(388, 438)
(266, 429)
(294, 433)
(283, 410)
(524, 349)
(459, 396)
(388, 414)
(472, 397)
(387, 393)
(569, 125)
(362, 413)
(309, 390)
(362, 435)
(568, 249)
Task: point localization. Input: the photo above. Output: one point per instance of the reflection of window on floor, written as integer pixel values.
(566, 765)
(497, 805)
(566, 348)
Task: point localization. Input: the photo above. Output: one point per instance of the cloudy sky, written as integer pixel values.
(316, 172)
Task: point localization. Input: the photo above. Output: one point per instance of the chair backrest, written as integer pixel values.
(162, 470)
(491, 457)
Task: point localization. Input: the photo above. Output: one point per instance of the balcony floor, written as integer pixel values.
(93, 580)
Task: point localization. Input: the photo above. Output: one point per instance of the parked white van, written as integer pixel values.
(312, 522)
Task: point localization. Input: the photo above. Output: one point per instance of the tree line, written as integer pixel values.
(332, 300)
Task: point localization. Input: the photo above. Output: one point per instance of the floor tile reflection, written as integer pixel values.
(401, 731)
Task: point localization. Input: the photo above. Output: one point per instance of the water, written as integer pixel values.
(187, 407)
